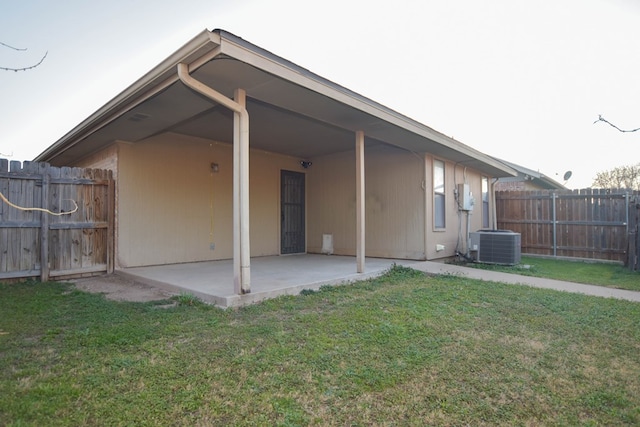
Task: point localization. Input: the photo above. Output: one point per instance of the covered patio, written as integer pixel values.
(229, 159)
(272, 276)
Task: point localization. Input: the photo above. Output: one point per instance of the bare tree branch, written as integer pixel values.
(11, 47)
(602, 119)
(25, 68)
(619, 177)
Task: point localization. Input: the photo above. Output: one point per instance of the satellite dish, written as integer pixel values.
(567, 175)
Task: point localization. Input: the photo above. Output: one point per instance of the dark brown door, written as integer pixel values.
(292, 238)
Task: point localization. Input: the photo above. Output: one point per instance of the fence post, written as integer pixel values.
(44, 228)
(626, 210)
(555, 223)
(111, 203)
(637, 257)
(630, 256)
(632, 253)
(633, 227)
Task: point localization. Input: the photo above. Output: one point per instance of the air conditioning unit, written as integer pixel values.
(496, 246)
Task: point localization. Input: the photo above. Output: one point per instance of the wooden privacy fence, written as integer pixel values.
(61, 242)
(591, 223)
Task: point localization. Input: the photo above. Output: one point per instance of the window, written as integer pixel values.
(438, 194)
(485, 202)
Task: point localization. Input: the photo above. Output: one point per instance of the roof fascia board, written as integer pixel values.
(537, 177)
(219, 41)
(244, 51)
(156, 80)
(552, 183)
(523, 169)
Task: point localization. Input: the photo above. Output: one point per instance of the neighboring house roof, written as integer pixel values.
(536, 178)
(316, 116)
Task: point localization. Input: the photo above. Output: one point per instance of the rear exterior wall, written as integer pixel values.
(453, 236)
(394, 203)
(172, 207)
(399, 200)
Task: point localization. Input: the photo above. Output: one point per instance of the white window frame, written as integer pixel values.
(439, 195)
(485, 203)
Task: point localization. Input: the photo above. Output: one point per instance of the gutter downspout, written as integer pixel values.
(241, 242)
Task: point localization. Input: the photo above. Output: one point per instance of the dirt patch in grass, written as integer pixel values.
(118, 288)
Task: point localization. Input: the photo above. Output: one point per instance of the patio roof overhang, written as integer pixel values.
(314, 115)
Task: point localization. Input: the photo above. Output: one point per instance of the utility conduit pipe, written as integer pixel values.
(241, 245)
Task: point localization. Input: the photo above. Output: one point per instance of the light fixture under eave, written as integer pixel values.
(305, 163)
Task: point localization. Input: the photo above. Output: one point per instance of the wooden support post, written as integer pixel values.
(426, 187)
(237, 270)
(241, 239)
(360, 202)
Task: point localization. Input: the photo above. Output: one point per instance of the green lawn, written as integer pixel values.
(403, 349)
(594, 273)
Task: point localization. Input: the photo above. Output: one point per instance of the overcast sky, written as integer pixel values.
(520, 80)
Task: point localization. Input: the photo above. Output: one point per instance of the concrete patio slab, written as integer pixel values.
(288, 275)
(212, 281)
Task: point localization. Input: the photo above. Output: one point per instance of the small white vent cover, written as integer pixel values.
(327, 244)
(138, 117)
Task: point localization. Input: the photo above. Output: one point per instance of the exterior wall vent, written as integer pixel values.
(138, 117)
(496, 246)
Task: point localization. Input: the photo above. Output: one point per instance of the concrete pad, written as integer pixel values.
(212, 281)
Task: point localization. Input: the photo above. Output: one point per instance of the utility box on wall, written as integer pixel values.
(465, 198)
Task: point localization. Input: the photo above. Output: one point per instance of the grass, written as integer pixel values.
(186, 298)
(594, 273)
(402, 349)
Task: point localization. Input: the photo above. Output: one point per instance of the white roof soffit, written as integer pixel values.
(156, 80)
(244, 51)
(383, 125)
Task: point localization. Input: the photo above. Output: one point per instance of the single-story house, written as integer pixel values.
(227, 151)
(527, 180)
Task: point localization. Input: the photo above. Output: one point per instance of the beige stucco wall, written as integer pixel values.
(455, 220)
(103, 159)
(399, 204)
(394, 203)
(172, 207)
